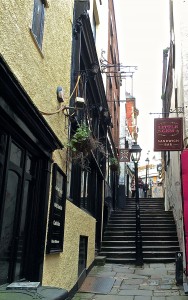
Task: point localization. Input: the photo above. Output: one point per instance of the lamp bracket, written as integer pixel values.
(107, 67)
(178, 110)
(69, 111)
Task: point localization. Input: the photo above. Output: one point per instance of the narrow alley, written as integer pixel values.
(94, 149)
(128, 282)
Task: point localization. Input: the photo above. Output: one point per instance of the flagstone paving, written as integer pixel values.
(149, 282)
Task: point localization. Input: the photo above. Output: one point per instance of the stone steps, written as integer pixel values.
(159, 236)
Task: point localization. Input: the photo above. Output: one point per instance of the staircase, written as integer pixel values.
(159, 237)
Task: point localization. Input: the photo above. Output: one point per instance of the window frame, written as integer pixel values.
(38, 33)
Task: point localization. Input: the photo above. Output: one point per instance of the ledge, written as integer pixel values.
(42, 292)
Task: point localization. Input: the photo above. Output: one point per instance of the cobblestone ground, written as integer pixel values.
(149, 282)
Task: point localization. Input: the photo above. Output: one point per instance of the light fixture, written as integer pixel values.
(94, 68)
(89, 72)
(135, 152)
(60, 94)
(79, 102)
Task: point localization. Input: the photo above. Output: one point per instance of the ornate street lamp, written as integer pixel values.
(135, 153)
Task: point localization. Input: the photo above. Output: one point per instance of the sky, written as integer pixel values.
(143, 34)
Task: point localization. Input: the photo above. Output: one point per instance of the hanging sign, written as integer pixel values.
(124, 155)
(57, 212)
(168, 134)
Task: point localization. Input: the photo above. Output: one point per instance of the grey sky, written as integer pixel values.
(143, 33)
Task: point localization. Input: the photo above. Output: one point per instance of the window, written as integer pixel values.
(82, 259)
(38, 22)
(94, 27)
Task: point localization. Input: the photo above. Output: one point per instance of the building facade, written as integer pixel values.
(54, 205)
(174, 99)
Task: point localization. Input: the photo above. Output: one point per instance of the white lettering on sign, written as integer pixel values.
(56, 223)
(58, 206)
(54, 241)
(59, 190)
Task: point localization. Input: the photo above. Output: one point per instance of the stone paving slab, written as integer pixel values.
(142, 298)
(112, 297)
(135, 292)
(176, 298)
(149, 282)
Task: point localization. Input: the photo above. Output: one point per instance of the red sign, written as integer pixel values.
(168, 134)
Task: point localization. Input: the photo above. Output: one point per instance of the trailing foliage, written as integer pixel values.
(80, 139)
(81, 144)
(114, 164)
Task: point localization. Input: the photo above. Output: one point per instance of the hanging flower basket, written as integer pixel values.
(82, 141)
(114, 164)
(81, 145)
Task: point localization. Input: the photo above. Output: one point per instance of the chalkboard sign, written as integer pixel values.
(57, 212)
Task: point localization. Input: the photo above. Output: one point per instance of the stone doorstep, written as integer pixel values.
(100, 260)
(43, 292)
(185, 287)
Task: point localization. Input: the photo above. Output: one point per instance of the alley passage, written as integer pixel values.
(149, 282)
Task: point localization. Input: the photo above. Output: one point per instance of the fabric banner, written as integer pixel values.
(184, 167)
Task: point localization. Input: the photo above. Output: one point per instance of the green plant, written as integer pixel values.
(114, 164)
(81, 143)
(113, 161)
(80, 139)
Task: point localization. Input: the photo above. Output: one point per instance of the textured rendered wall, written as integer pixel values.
(173, 194)
(184, 52)
(61, 270)
(183, 84)
(40, 72)
(173, 176)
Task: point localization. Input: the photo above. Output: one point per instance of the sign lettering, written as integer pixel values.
(168, 134)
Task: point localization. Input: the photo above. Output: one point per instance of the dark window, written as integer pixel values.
(84, 190)
(176, 98)
(82, 254)
(38, 21)
(94, 27)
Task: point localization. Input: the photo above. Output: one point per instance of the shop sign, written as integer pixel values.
(168, 134)
(124, 155)
(57, 212)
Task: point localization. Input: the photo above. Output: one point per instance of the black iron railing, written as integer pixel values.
(138, 235)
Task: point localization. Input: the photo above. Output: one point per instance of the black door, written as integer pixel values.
(18, 173)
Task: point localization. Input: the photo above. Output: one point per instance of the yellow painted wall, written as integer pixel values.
(40, 72)
(61, 270)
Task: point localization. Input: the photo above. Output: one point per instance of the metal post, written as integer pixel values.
(145, 192)
(149, 183)
(139, 254)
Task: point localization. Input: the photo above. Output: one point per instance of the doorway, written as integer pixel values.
(19, 187)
